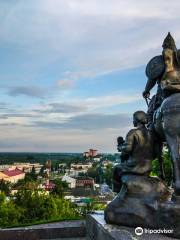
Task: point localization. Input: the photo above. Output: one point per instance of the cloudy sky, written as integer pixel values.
(72, 71)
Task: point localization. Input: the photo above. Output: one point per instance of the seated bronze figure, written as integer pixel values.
(137, 151)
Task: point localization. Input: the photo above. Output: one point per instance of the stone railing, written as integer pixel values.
(60, 230)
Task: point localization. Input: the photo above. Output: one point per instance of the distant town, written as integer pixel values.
(86, 176)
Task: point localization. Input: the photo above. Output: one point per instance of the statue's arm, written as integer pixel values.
(129, 142)
(150, 84)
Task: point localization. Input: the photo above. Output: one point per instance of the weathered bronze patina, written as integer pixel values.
(137, 151)
(143, 200)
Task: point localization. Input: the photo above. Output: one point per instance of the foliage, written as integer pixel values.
(5, 187)
(167, 168)
(98, 206)
(32, 175)
(108, 174)
(93, 172)
(10, 214)
(26, 184)
(101, 174)
(60, 187)
(2, 197)
(10, 158)
(42, 173)
(29, 207)
(91, 207)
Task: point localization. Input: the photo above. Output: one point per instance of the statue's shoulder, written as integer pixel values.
(132, 132)
(155, 67)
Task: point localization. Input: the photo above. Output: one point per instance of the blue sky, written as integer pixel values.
(72, 71)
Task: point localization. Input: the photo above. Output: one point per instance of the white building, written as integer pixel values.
(77, 169)
(70, 181)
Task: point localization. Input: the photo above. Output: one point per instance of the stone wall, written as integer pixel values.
(66, 229)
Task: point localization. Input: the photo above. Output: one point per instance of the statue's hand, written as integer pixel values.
(146, 94)
(124, 157)
(119, 148)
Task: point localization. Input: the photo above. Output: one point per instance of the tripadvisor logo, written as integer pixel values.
(139, 231)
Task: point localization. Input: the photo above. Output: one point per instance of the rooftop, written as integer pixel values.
(12, 173)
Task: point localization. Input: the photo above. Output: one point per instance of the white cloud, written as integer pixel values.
(45, 140)
(63, 110)
(83, 39)
(111, 100)
(96, 36)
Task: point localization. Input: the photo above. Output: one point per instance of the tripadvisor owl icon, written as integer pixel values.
(138, 231)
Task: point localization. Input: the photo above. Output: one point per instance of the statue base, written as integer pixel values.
(98, 229)
(144, 202)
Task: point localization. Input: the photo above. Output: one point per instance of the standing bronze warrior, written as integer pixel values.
(164, 108)
(163, 70)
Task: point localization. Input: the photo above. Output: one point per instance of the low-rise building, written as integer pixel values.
(79, 182)
(81, 166)
(91, 153)
(75, 172)
(70, 181)
(13, 175)
(5, 166)
(84, 182)
(3, 177)
(49, 186)
(77, 169)
(27, 167)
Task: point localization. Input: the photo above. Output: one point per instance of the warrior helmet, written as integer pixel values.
(169, 43)
(140, 116)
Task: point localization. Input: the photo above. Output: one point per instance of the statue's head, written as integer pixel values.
(170, 53)
(169, 43)
(139, 117)
(120, 140)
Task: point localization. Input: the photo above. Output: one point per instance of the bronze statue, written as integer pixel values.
(137, 191)
(144, 200)
(137, 151)
(163, 70)
(166, 115)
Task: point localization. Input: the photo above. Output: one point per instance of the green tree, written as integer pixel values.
(167, 163)
(60, 187)
(41, 172)
(32, 176)
(108, 174)
(5, 187)
(94, 173)
(2, 197)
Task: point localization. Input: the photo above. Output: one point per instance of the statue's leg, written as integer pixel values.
(174, 144)
(117, 173)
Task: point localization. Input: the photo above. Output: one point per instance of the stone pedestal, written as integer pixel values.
(144, 202)
(98, 229)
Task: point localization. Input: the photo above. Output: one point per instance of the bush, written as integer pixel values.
(167, 163)
(30, 207)
(10, 214)
(5, 187)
